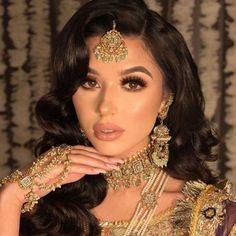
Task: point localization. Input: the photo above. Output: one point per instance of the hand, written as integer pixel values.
(87, 161)
(83, 160)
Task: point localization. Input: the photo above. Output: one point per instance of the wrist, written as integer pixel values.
(11, 194)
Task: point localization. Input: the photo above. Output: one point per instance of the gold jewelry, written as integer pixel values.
(31, 199)
(11, 178)
(55, 156)
(111, 46)
(82, 133)
(132, 171)
(147, 206)
(160, 138)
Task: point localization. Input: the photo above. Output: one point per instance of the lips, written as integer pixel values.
(107, 131)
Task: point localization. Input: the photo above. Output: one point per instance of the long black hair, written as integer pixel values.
(67, 210)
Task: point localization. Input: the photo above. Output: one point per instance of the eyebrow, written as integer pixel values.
(91, 70)
(127, 71)
(137, 69)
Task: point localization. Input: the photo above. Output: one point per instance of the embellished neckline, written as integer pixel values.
(156, 218)
(124, 223)
(201, 210)
(189, 188)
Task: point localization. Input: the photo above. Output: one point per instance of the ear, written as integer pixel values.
(162, 105)
(166, 102)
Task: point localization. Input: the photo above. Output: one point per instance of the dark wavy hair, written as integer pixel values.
(67, 210)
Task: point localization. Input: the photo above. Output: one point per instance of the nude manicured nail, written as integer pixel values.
(117, 160)
(113, 167)
(100, 171)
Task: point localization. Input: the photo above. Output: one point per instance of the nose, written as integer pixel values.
(106, 102)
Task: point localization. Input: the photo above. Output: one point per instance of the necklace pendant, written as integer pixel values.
(138, 167)
(149, 199)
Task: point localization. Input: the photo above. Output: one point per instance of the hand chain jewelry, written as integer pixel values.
(55, 156)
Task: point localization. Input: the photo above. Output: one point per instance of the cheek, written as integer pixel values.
(141, 117)
(139, 122)
(80, 105)
(144, 108)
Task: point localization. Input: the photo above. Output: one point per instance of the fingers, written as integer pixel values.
(86, 169)
(83, 150)
(82, 155)
(82, 147)
(84, 159)
(76, 172)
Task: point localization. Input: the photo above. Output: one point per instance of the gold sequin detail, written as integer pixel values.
(200, 213)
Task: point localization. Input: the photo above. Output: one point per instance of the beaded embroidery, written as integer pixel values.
(199, 214)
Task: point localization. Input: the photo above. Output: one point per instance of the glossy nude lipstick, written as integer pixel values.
(107, 131)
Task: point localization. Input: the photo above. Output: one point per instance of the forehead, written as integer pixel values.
(138, 55)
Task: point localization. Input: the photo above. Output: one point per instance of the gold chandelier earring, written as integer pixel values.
(160, 138)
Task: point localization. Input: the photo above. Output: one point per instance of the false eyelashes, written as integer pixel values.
(133, 83)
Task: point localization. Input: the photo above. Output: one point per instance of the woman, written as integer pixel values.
(127, 99)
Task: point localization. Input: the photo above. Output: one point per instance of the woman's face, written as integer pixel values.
(118, 105)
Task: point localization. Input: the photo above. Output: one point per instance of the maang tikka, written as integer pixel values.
(111, 46)
(160, 138)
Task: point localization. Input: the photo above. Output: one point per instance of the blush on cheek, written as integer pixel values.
(144, 109)
(142, 119)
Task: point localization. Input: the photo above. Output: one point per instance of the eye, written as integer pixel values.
(133, 83)
(90, 84)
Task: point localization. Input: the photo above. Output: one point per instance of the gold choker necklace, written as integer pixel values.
(133, 170)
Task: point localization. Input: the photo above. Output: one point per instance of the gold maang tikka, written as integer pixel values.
(160, 138)
(111, 46)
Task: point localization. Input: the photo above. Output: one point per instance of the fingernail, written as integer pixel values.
(100, 171)
(113, 167)
(117, 160)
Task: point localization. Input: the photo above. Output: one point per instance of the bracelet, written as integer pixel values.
(55, 156)
(13, 177)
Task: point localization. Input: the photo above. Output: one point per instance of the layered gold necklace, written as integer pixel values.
(131, 173)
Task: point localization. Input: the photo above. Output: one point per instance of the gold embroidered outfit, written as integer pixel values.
(201, 213)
